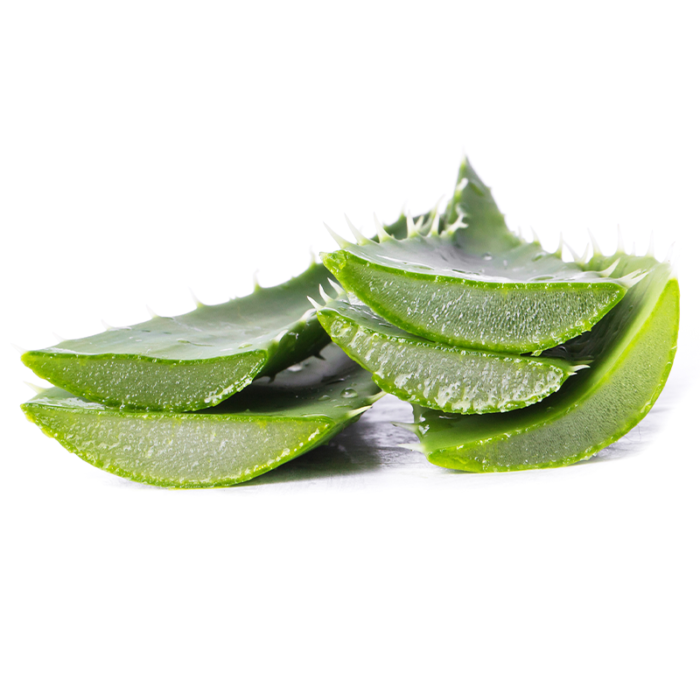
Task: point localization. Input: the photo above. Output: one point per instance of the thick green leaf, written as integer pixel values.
(632, 351)
(192, 361)
(263, 426)
(479, 286)
(436, 375)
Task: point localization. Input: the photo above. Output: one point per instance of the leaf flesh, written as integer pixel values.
(189, 362)
(439, 376)
(258, 429)
(632, 349)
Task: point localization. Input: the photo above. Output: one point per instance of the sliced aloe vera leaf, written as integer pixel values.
(478, 287)
(436, 375)
(632, 351)
(254, 431)
(192, 361)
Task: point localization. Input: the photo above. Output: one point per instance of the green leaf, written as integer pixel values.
(263, 426)
(632, 349)
(479, 286)
(436, 375)
(192, 361)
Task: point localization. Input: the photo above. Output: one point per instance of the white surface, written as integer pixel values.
(148, 148)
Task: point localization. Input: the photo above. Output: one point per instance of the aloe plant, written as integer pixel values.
(632, 351)
(193, 361)
(471, 282)
(254, 431)
(436, 375)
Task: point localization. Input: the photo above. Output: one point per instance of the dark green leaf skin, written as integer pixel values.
(478, 286)
(632, 348)
(265, 425)
(439, 376)
(192, 361)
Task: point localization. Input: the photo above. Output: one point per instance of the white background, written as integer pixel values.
(149, 148)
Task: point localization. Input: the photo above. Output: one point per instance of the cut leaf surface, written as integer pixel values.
(439, 376)
(263, 426)
(479, 286)
(632, 349)
(192, 361)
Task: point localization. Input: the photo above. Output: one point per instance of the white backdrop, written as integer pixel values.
(150, 148)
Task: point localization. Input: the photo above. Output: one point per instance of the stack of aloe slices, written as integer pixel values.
(210, 398)
(511, 357)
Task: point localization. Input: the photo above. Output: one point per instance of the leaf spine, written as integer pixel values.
(197, 302)
(435, 223)
(609, 270)
(361, 240)
(358, 411)
(620, 242)
(560, 248)
(382, 235)
(36, 388)
(338, 289)
(594, 244)
(314, 303)
(407, 426)
(326, 298)
(578, 259)
(459, 223)
(413, 446)
(650, 249)
(256, 282)
(669, 255)
(338, 239)
(411, 230)
(632, 278)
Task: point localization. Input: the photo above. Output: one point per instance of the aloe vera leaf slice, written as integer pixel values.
(632, 352)
(436, 375)
(188, 362)
(479, 287)
(254, 431)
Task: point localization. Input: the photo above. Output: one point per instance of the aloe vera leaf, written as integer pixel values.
(436, 375)
(632, 352)
(188, 362)
(254, 431)
(479, 286)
